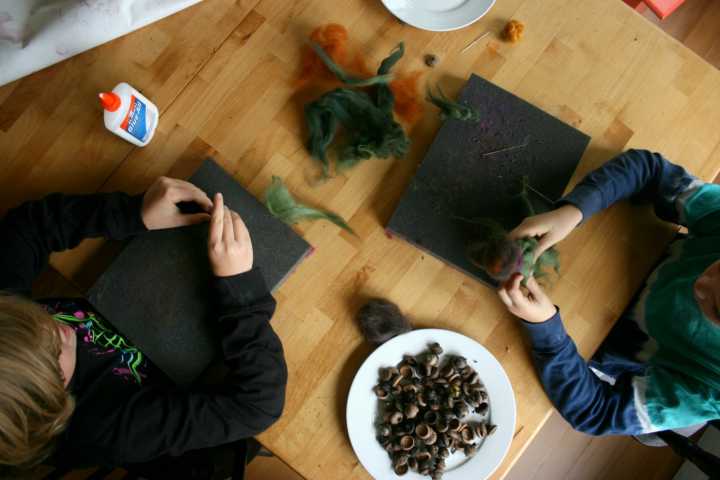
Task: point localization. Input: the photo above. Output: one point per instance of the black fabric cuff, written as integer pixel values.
(134, 221)
(242, 289)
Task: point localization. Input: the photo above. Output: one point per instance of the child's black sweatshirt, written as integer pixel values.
(126, 410)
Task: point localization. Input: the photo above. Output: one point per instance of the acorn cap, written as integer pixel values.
(109, 101)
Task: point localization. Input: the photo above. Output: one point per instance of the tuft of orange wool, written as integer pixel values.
(333, 38)
(407, 100)
(513, 31)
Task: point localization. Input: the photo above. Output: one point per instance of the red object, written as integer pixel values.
(126, 120)
(661, 8)
(109, 101)
(637, 5)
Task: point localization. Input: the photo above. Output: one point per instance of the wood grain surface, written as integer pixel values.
(221, 73)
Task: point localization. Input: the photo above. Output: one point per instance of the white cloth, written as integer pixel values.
(37, 33)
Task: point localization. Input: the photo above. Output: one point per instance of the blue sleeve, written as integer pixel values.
(639, 174)
(589, 404)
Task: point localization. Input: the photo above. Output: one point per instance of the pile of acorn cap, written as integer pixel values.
(424, 401)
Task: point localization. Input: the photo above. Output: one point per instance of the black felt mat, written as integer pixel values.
(456, 183)
(156, 291)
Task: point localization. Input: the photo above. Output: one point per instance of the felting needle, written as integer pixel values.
(503, 150)
(539, 193)
(525, 143)
(470, 45)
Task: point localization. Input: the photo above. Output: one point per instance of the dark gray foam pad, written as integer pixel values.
(456, 184)
(156, 292)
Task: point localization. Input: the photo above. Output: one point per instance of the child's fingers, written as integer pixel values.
(516, 295)
(534, 288)
(241, 231)
(527, 229)
(187, 192)
(228, 229)
(505, 298)
(216, 220)
(545, 242)
(518, 232)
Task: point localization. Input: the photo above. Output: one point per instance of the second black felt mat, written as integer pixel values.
(461, 180)
(156, 292)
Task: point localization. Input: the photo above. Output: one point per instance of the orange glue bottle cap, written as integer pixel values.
(110, 101)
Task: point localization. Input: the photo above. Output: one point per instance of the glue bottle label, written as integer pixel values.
(134, 122)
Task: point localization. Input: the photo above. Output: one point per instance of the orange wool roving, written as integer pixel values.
(513, 31)
(407, 100)
(333, 38)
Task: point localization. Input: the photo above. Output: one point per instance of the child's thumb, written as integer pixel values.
(544, 243)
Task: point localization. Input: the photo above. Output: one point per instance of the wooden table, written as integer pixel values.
(221, 73)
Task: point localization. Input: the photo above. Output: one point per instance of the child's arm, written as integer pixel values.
(30, 232)
(155, 422)
(659, 399)
(635, 173)
(588, 404)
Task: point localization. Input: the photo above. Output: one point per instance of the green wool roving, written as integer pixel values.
(283, 206)
(501, 257)
(369, 127)
(344, 77)
(451, 109)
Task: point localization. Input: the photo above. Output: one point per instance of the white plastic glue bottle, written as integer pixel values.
(129, 114)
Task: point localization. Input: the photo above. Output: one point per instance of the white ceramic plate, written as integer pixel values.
(362, 405)
(439, 15)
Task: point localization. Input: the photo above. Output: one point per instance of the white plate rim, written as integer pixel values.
(507, 410)
(406, 17)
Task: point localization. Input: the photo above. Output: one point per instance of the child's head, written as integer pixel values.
(34, 405)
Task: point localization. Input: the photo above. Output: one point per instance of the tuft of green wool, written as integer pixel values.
(367, 121)
(281, 204)
(451, 109)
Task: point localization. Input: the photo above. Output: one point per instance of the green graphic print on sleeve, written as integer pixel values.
(95, 331)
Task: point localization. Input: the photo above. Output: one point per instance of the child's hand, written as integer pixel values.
(159, 208)
(531, 305)
(229, 245)
(551, 227)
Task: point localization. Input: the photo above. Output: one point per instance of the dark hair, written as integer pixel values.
(380, 320)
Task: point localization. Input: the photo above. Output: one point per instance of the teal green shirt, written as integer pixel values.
(659, 368)
(683, 377)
